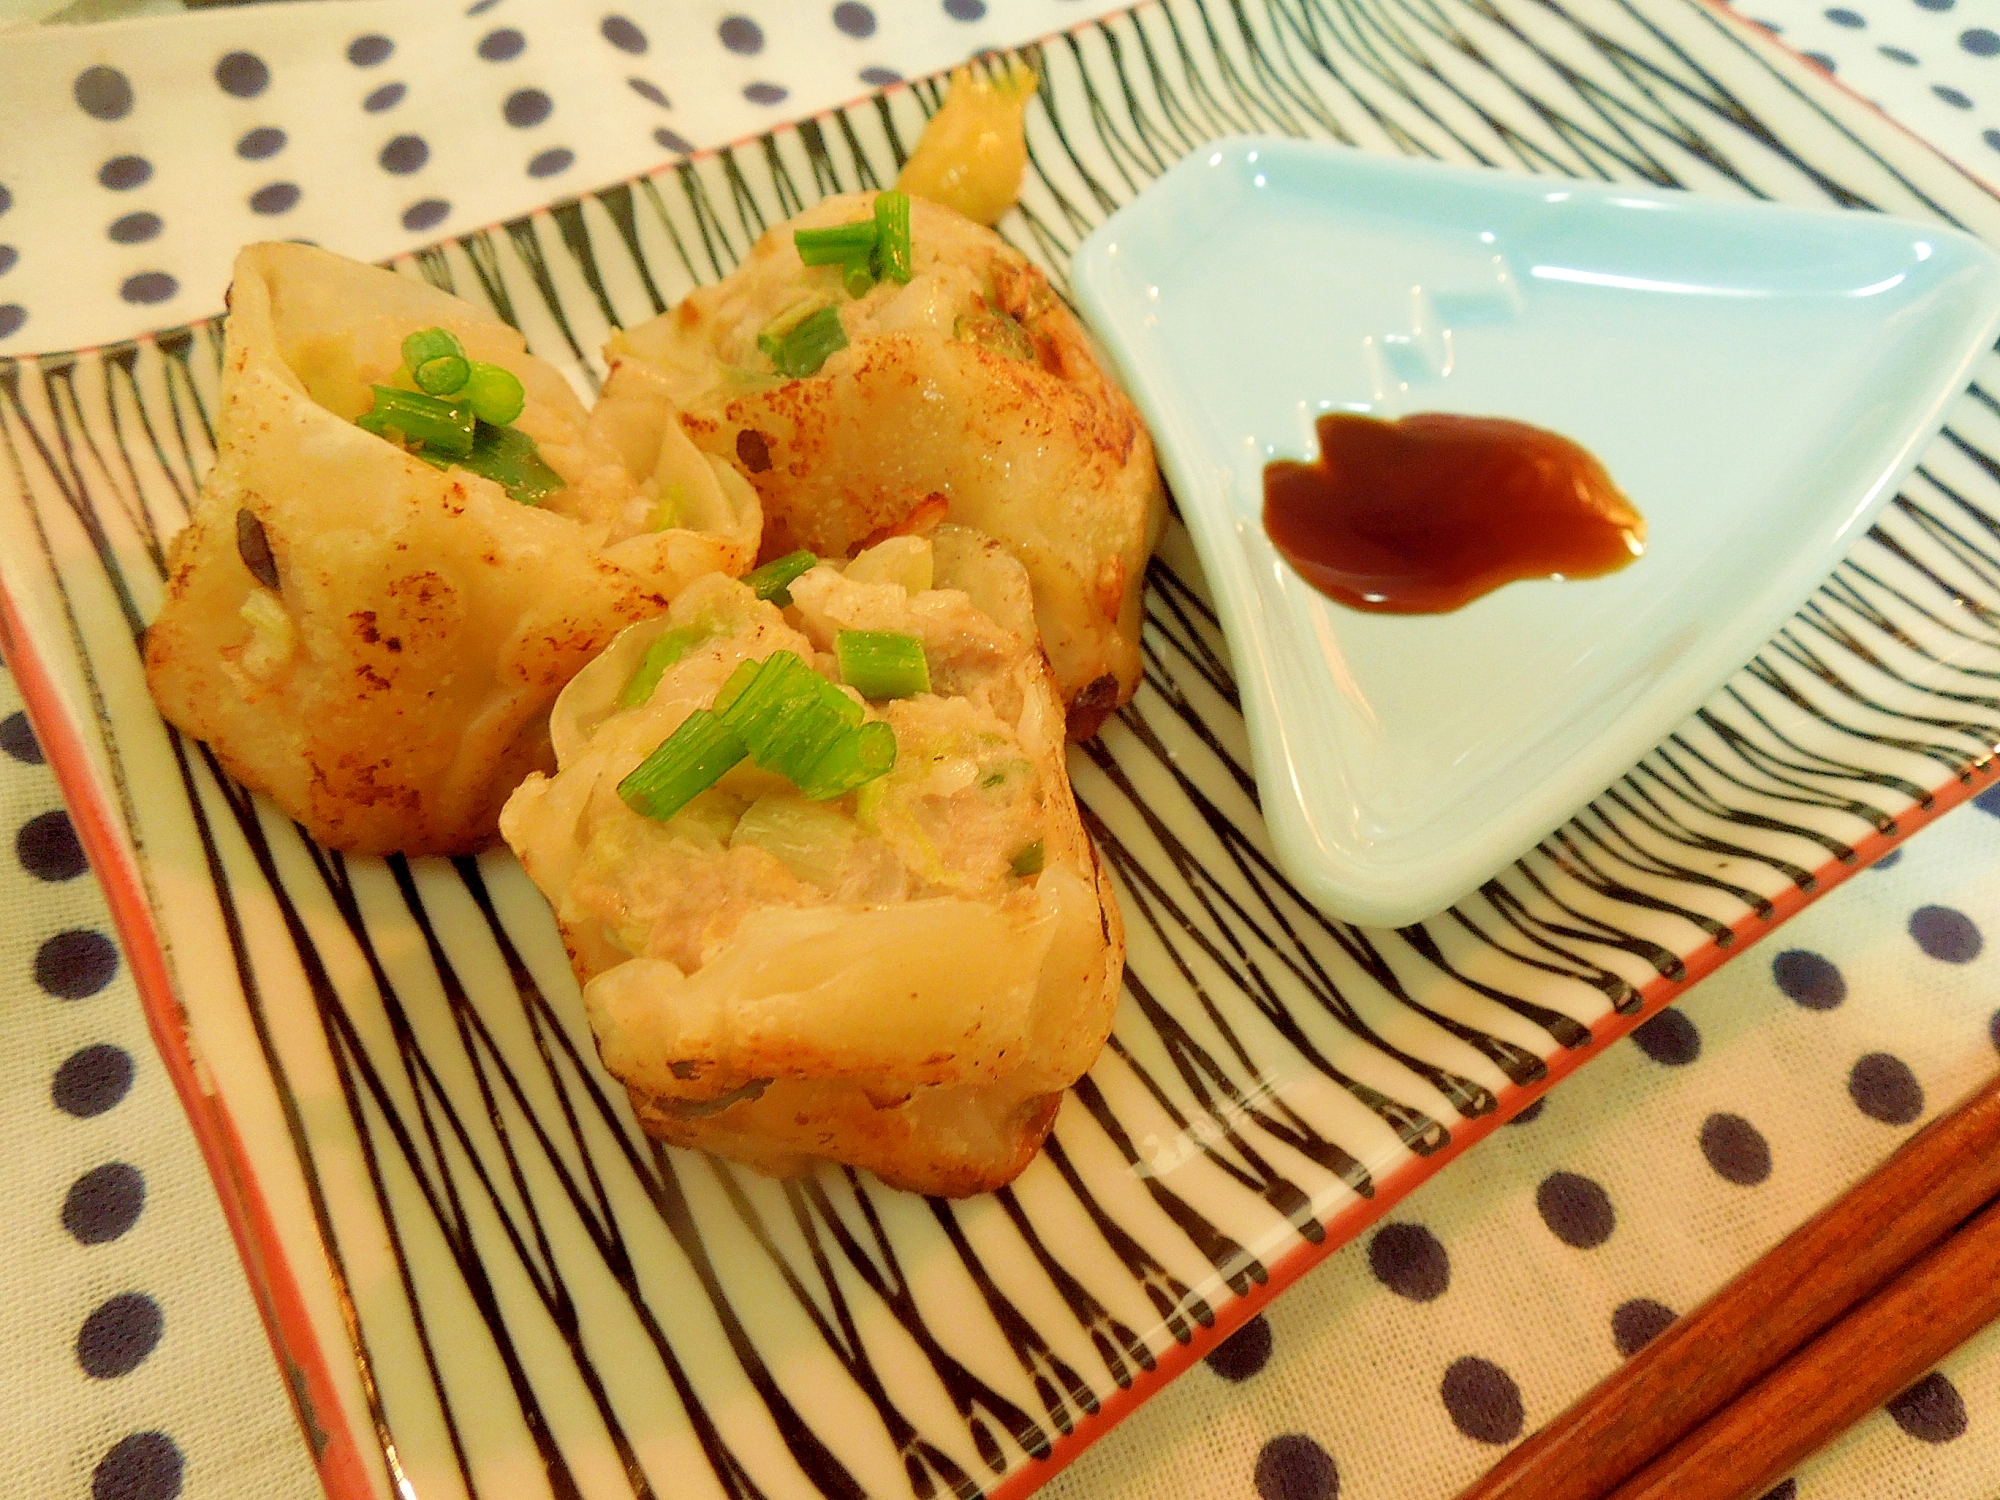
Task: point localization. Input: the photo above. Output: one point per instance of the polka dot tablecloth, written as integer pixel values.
(135, 156)
(136, 1368)
(1494, 1297)
(1933, 65)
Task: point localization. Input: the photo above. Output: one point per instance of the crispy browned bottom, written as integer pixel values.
(945, 1143)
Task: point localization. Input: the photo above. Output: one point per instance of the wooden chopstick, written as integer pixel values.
(1867, 1357)
(1933, 1184)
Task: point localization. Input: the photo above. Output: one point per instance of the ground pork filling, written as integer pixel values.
(963, 802)
(903, 977)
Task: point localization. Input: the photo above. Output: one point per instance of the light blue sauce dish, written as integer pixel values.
(1758, 380)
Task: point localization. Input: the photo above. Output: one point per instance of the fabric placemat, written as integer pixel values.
(1401, 1368)
(136, 157)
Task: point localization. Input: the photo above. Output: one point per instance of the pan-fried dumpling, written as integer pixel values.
(904, 978)
(373, 641)
(971, 392)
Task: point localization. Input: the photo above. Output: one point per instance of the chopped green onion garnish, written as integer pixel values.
(788, 715)
(892, 236)
(694, 757)
(427, 344)
(779, 712)
(793, 721)
(851, 713)
(803, 731)
(508, 457)
(802, 351)
(505, 456)
(740, 679)
(494, 394)
(771, 337)
(842, 242)
(470, 430)
(1028, 861)
(857, 278)
(880, 664)
(773, 581)
(855, 760)
(752, 707)
(442, 376)
(439, 425)
(665, 651)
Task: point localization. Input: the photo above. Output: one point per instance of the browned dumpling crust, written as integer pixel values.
(971, 392)
(374, 642)
(882, 979)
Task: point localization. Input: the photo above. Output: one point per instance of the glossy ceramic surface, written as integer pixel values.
(1758, 379)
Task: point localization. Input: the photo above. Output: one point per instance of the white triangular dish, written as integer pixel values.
(1758, 379)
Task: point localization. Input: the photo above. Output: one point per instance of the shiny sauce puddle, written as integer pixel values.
(1424, 514)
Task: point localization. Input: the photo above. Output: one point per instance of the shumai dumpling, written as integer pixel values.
(970, 392)
(903, 979)
(375, 642)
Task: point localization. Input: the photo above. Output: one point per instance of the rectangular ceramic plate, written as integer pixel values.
(1758, 378)
(483, 1281)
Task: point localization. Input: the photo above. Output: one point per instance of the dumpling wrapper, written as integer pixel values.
(394, 687)
(916, 1008)
(926, 408)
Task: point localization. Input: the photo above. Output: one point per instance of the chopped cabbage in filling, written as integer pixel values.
(784, 979)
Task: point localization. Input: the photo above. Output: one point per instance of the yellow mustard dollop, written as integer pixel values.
(974, 150)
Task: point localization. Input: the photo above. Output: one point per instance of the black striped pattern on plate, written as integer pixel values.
(539, 1301)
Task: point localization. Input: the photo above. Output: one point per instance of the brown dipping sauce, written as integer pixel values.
(1422, 515)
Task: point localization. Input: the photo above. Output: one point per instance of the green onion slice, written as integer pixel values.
(835, 245)
(892, 236)
(788, 714)
(856, 759)
(802, 351)
(494, 394)
(469, 431)
(880, 664)
(856, 277)
(693, 758)
(756, 702)
(780, 713)
(773, 581)
(1028, 860)
(440, 426)
(771, 337)
(739, 680)
(508, 457)
(796, 723)
(442, 376)
(666, 650)
(802, 733)
(427, 344)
